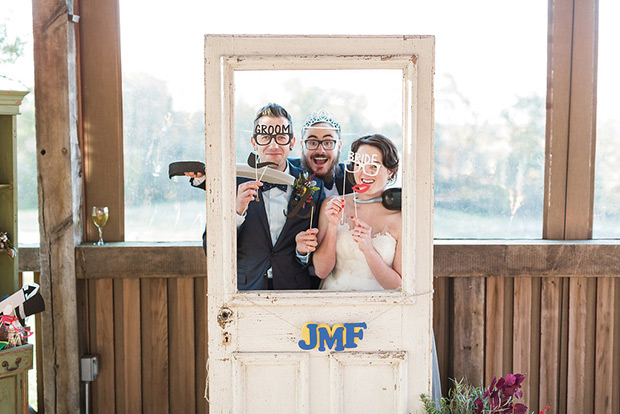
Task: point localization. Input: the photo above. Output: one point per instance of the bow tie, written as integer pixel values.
(269, 186)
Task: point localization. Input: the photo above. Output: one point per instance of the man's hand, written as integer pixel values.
(306, 241)
(193, 174)
(246, 193)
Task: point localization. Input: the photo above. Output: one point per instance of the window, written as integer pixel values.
(18, 66)
(490, 86)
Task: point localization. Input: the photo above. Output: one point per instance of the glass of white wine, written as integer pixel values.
(100, 218)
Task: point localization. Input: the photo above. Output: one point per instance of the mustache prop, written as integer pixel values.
(249, 170)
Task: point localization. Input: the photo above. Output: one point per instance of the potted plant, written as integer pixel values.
(499, 398)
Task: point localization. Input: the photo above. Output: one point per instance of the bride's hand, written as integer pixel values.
(361, 235)
(334, 210)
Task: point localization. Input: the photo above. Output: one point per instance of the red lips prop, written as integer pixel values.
(361, 188)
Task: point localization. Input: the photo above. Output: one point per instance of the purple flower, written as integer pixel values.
(520, 408)
(479, 405)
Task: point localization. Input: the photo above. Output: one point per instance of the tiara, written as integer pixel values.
(321, 116)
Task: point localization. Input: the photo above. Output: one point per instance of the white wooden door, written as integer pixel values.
(378, 357)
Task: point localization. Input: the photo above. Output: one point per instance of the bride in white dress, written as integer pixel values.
(359, 243)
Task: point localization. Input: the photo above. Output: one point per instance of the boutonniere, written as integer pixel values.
(6, 245)
(305, 187)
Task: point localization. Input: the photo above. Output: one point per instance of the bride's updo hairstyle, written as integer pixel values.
(387, 148)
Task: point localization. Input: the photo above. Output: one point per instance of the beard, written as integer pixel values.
(327, 173)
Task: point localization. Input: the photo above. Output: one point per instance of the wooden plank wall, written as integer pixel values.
(547, 328)
(150, 336)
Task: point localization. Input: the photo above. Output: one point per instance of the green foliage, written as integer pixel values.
(492, 168)
(156, 135)
(460, 400)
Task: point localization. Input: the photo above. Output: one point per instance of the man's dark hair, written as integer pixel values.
(275, 110)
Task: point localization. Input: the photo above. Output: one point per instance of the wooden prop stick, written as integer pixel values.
(311, 214)
(344, 191)
(256, 171)
(261, 176)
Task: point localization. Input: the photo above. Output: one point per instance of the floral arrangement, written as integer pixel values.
(6, 245)
(499, 398)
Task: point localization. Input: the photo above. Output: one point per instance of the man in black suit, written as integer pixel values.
(266, 247)
(320, 151)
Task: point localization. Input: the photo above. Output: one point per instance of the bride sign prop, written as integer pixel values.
(391, 198)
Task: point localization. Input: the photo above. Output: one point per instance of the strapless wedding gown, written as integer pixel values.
(351, 271)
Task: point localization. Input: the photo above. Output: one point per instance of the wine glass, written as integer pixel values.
(100, 218)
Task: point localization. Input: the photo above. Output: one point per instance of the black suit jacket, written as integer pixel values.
(338, 176)
(256, 253)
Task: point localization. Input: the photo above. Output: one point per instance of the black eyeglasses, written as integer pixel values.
(264, 140)
(312, 144)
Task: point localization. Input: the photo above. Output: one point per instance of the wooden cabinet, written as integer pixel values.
(14, 366)
(9, 109)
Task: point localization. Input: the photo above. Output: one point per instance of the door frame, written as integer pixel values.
(224, 54)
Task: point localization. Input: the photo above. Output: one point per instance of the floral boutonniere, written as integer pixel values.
(305, 187)
(6, 245)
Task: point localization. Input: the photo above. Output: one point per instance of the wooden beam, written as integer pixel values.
(546, 259)
(155, 346)
(605, 376)
(581, 350)
(467, 346)
(101, 294)
(509, 259)
(127, 339)
(102, 115)
(495, 330)
(58, 163)
(582, 140)
(182, 368)
(140, 261)
(558, 111)
(550, 343)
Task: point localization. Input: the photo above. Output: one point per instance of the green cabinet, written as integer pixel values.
(14, 366)
(9, 109)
